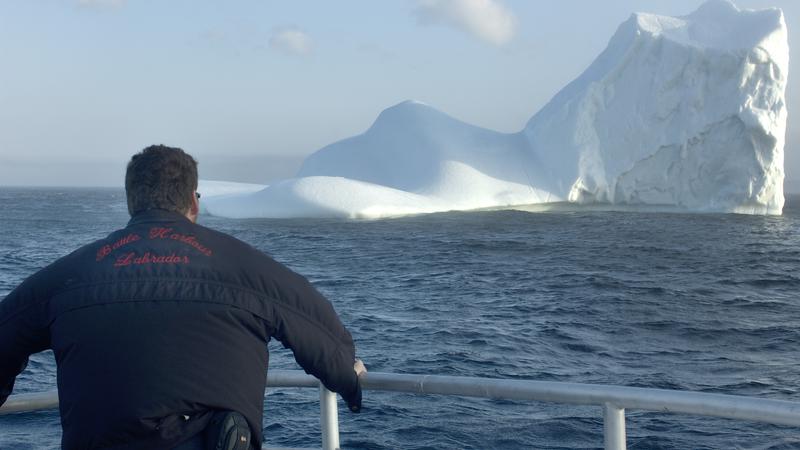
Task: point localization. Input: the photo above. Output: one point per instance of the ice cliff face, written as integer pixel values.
(683, 112)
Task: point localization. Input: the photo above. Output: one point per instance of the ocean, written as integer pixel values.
(703, 302)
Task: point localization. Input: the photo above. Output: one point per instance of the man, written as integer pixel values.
(160, 329)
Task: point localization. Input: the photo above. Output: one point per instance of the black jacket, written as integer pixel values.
(165, 320)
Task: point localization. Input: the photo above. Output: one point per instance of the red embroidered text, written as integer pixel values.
(166, 233)
(149, 258)
(108, 248)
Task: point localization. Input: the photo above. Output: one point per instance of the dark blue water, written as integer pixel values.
(706, 302)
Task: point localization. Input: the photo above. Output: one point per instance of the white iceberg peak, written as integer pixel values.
(717, 24)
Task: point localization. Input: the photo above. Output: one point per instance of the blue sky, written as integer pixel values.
(252, 87)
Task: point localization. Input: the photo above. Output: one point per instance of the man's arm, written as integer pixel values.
(322, 346)
(23, 331)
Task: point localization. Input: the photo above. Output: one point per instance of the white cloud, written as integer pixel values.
(291, 41)
(486, 19)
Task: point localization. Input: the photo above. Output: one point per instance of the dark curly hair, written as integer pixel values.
(160, 177)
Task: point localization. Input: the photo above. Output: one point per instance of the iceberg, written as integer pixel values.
(687, 113)
(221, 190)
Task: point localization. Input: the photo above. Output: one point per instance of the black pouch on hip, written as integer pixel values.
(228, 430)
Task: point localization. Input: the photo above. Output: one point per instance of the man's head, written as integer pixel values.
(161, 177)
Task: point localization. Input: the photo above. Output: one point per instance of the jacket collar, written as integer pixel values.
(157, 215)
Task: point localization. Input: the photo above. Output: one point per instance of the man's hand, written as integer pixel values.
(359, 367)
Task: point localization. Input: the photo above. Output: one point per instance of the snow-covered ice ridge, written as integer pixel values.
(685, 112)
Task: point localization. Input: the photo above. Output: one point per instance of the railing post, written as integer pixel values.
(614, 427)
(329, 419)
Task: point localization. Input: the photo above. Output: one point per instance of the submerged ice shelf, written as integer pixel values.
(685, 112)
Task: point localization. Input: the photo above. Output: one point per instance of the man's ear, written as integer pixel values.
(194, 209)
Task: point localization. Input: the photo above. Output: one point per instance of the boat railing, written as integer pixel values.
(613, 400)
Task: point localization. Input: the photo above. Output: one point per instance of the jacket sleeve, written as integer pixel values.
(308, 325)
(23, 331)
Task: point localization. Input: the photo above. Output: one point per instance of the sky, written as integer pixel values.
(252, 87)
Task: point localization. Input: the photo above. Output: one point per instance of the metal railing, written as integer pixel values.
(613, 399)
